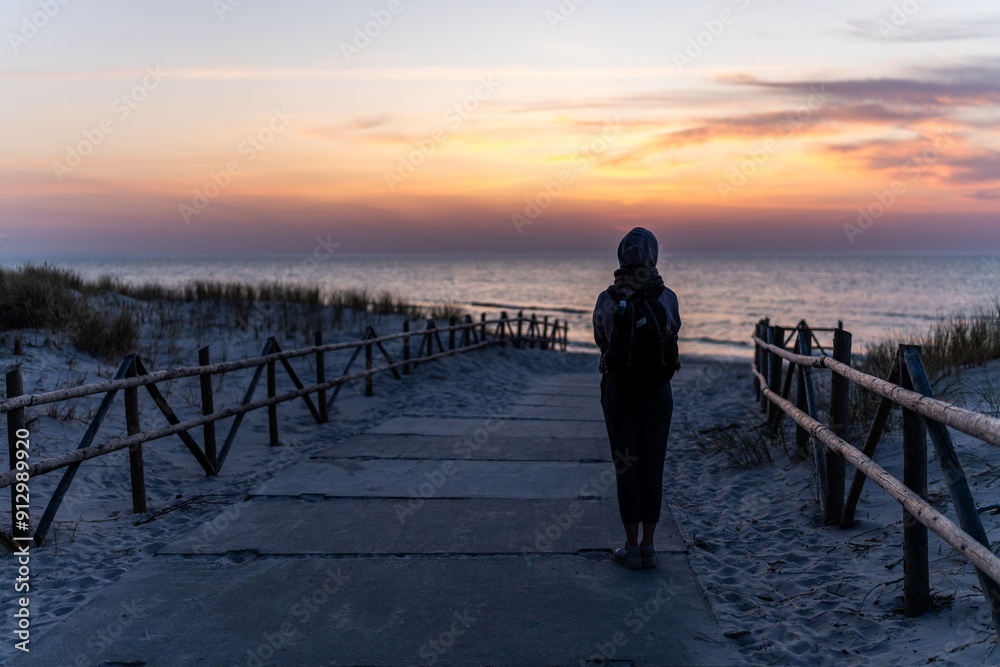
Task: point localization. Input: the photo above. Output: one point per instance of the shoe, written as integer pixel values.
(629, 557)
(648, 556)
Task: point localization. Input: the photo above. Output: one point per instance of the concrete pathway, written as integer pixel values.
(472, 540)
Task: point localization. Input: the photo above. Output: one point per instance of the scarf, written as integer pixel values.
(638, 279)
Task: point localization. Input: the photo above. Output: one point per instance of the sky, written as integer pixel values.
(254, 126)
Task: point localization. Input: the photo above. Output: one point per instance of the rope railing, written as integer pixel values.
(923, 416)
(461, 337)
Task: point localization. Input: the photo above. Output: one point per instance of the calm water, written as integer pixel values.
(721, 297)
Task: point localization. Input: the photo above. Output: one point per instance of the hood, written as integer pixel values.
(638, 248)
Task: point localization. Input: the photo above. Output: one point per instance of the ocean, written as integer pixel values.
(721, 297)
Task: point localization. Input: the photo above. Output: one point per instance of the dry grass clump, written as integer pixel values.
(958, 341)
(60, 300)
(46, 297)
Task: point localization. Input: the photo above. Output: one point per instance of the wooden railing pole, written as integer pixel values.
(916, 570)
(801, 398)
(272, 410)
(840, 393)
(324, 409)
(954, 474)
(207, 406)
(136, 469)
(756, 360)
(502, 329)
(545, 333)
(882, 415)
(774, 373)
(482, 320)
(406, 348)
(765, 365)
(369, 377)
(20, 528)
(452, 322)
(520, 335)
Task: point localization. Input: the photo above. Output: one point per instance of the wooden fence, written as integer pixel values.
(132, 374)
(777, 363)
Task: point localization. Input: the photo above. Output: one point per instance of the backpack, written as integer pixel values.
(641, 352)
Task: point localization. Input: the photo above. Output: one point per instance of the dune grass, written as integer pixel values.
(959, 341)
(46, 297)
(60, 300)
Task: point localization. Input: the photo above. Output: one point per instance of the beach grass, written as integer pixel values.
(55, 299)
(959, 341)
(46, 297)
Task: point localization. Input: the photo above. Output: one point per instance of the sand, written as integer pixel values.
(785, 589)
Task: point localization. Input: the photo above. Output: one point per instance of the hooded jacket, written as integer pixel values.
(638, 249)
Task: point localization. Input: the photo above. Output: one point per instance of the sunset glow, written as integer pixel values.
(190, 127)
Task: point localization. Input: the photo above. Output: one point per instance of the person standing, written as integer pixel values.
(636, 321)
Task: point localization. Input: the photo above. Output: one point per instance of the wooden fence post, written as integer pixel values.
(468, 332)
(532, 331)
(324, 409)
(954, 474)
(774, 375)
(916, 572)
(545, 333)
(207, 407)
(369, 379)
(406, 347)
(840, 394)
(757, 357)
(20, 529)
(765, 358)
(801, 398)
(452, 322)
(482, 320)
(520, 322)
(136, 470)
(272, 410)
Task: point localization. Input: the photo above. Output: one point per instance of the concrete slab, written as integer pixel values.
(570, 379)
(395, 478)
(558, 401)
(436, 526)
(466, 426)
(586, 413)
(393, 611)
(576, 412)
(446, 447)
(555, 390)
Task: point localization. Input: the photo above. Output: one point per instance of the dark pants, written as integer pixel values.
(638, 422)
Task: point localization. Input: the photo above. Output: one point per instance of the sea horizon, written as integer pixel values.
(721, 295)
